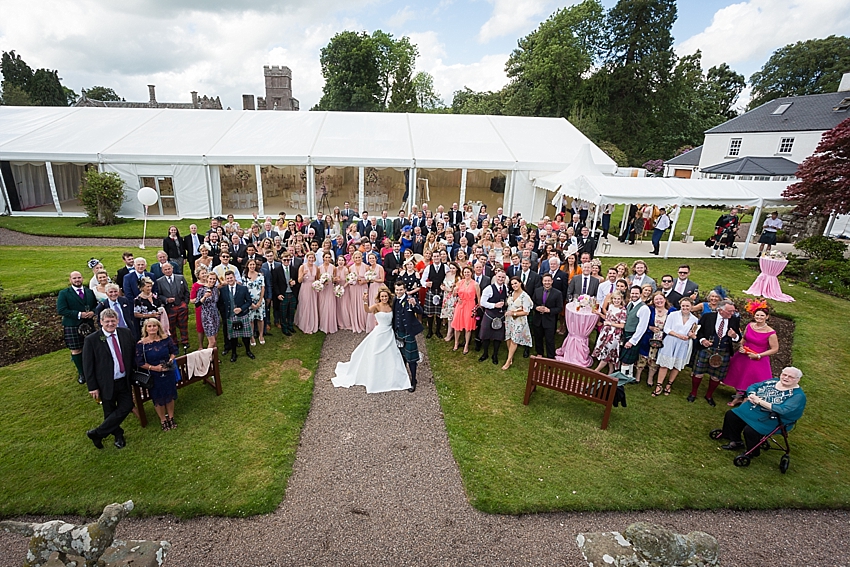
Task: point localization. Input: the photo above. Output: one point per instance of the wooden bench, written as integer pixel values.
(212, 379)
(572, 380)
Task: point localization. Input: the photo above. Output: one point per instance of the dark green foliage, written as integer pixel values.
(42, 87)
(615, 153)
(102, 93)
(726, 85)
(70, 95)
(803, 68)
(15, 70)
(468, 101)
(14, 95)
(427, 98)
(102, 195)
(829, 275)
(822, 248)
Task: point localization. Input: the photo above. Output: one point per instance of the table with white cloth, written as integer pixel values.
(767, 282)
(580, 323)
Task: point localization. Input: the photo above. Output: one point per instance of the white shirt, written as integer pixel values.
(116, 372)
(221, 268)
(426, 272)
(638, 280)
(771, 224)
(680, 286)
(487, 294)
(643, 322)
(725, 325)
(663, 222)
(605, 289)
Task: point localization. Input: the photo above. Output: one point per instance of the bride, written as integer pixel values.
(376, 363)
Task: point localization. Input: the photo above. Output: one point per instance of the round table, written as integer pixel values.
(580, 324)
(767, 284)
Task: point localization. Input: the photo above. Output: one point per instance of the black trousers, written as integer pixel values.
(192, 267)
(287, 308)
(115, 410)
(543, 337)
(733, 426)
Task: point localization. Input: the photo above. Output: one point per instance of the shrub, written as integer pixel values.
(102, 195)
(19, 327)
(832, 276)
(822, 248)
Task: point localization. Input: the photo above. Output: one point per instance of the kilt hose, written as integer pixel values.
(178, 318)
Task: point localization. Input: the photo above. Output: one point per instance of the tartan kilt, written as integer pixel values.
(429, 307)
(628, 355)
(703, 367)
(73, 339)
(246, 331)
(410, 351)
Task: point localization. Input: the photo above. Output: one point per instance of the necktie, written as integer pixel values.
(286, 273)
(583, 285)
(524, 277)
(118, 354)
(545, 295)
(81, 294)
(117, 308)
(680, 287)
(722, 329)
(170, 280)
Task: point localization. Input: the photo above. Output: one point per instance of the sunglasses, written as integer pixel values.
(684, 273)
(666, 281)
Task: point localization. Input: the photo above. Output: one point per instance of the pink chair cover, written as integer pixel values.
(767, 284)
(575, 349)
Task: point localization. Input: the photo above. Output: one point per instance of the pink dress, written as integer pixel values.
(355, 293)
(744, 371)
(464, 315)
(307, 313)
(343, 309)
(371, 321)
(327, 303)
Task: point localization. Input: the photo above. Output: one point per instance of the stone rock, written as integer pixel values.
(648, 545)
(135, 553)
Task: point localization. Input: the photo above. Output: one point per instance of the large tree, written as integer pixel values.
(467, 101)
(350, 68)
(824, 184)
(427, 97)
(102, 93)
(725, 86)
(803, 68)
(46, 88)
(15, 71)
(21, 85)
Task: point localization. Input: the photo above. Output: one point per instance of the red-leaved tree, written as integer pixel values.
(824, 184)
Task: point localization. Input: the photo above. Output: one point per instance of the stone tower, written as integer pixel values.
(279, 88)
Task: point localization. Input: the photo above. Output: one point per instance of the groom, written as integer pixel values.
(406, 326)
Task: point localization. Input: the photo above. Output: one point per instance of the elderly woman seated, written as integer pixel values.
(767, 403)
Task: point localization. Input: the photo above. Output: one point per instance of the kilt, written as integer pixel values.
(628, 355)
(246, 331)
(410, 351)
(429, 307)
(488, 333)
(768, 238)
(73, 339)
(703, 367)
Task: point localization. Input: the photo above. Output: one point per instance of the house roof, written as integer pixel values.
(754, 166)
(690, 157)
(811, 112)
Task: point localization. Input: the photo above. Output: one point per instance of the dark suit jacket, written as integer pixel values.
(242, 299)
(130, 285)
(266, 270)
(390, 264)
(485, 281)
(455, 217)
(690, 287)
(588, 245)
(707, 331)
(279, 279)
(69, 305)
(412, 324)
(513, 270)
(98, 367)
(126, 312)
(174, 249)
(673, 297)
(559, 282)
(532, 282)
(119, 277)
(398, 224)
(554, 301)
(319, 227)
(237, 254)
(574, 288)
(364, 228)
(189, 246)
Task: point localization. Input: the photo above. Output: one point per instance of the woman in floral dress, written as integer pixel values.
(206, 304)
(256, 284)
(517, 331)
(449, 298)
(607, 349)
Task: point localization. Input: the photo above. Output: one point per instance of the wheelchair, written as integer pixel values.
(743, 460)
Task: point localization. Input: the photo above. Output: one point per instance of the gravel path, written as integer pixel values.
(374, 483)
(14, 238)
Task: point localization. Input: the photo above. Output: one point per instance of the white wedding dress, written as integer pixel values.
(376, 363)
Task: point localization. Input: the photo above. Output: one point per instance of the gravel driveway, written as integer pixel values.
(374, 483)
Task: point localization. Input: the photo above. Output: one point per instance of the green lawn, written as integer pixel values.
(551, 454)
(79, 227)
(231, 455)
(703, 226)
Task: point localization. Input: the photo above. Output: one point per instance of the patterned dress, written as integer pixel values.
(210, 316)
(516, 328)
(608, 343)
(449, 300)
(255, 288)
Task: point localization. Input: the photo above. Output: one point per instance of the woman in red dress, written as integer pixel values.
(468, 295)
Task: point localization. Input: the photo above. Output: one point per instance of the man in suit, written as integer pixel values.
(393, 265)
(671, 294)
(559, 278)
(462, 231)
(455, 216)
(76, 304)
(451, 246)
(365, 226)
(251, 254)
(128, 267)
(268, 231)
(267, 269)
(684, 286)
(515, 268)
(582, 284)
(285, 289)
(348, 215)
(406, 326)
(500, 216)
(548, 304)
(108, 365)
(318, 225)
(576, 224)
(236, 301)
(238, 251)
(162, 259)
(399, 223)
(121, 306)
(717, 333)
(385, 227)
(192, 245)
(586, 243)
(174, 292)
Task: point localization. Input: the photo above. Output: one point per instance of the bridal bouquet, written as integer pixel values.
(370, 276)
(318, 285)
(325, 278)
(339, 291)
(351, 278)
(585, 302)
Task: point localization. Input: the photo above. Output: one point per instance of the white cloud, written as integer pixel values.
(401, 17)
(512, 16)
(751, 31)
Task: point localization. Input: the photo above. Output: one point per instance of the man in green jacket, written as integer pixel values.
(76, 304)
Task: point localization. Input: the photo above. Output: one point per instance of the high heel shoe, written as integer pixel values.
(667, 389)
(455, 349)
(658, 390)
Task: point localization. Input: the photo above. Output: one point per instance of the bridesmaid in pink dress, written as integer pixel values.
(327, 300)
(307, 312)
(355, 292)
(343, 313)
(751, 364)
(374, 286)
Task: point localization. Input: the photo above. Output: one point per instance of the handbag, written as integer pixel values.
(143, 377)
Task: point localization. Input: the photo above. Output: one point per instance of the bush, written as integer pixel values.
(822, 248)
(19, 327)
(102, 195)
(832, 276)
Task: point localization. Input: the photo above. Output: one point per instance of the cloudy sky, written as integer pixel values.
(219, 47)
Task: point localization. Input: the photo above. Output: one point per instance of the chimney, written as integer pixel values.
(844, 86)
(195, 99)
(152, 94)
(247, 102)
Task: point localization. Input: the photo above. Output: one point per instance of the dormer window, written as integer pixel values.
(786, 145)
(782, 108)
(843, 105)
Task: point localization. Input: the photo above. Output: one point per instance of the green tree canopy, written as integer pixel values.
(102, 93)
(41, 87)
(47, 89)
(13, 95)
(427, 97)
(15, 71)
(467, 101)
(803, 68)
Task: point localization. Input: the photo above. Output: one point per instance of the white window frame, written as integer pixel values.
(786, 140)
(734, 150)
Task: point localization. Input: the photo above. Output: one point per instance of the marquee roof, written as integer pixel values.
(168, 136)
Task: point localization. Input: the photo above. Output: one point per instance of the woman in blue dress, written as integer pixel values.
(156, 353)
